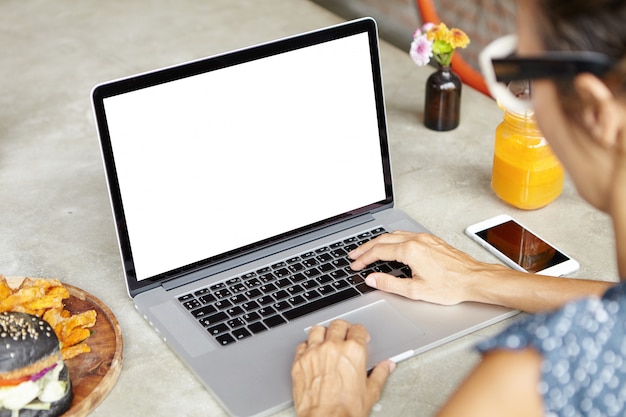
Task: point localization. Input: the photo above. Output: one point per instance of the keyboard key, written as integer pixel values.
(266, 311)
(254, 293)
(254, 282)
(235, 323)
(282, 283)
(313, 272)
(201, 292)
(207, 298)
(354, 279)
(265, 300)
(307, 285)
(297, 300)
(191, 304)
(298, 277)
(338, 274)
(282, 272)
(213, 319)
(204, 311)
(185, 297)
(279, 295)
(338, 285)
(274, 321)
(350, 247)
(257, 327)
(310, 262)
(311, 295)
(225, 339)
(241, 333)
(325, 257)
(340, 262)
(238, 299)
(281, 305)
(324, 279)
(250, 305)
(326, 289)
(351, 239)
(268, 288)
(233, 281)
(265, 278)
(293, 260)
(320, 303)
(223, 304)
(218, 329)
(296, 289)
(237, 288)
(248, 275)
(222, 293)
(364, 288)
(234, 311)
(251, 317)
(297, 267)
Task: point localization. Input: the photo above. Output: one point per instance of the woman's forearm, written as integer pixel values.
(530, 292)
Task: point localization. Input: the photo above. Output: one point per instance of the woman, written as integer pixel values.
(570, 362)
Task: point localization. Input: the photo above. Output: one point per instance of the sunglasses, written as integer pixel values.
(501, 68)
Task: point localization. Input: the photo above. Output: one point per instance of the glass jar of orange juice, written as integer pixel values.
(526, 174)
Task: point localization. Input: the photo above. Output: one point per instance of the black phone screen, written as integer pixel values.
(522, 247)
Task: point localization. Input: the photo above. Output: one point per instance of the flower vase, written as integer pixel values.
(442, 107)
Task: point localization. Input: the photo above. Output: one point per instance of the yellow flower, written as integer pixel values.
(458, 38)
(438, 32)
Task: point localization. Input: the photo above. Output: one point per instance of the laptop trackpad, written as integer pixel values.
(391, 333)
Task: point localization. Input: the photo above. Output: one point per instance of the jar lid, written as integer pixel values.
(522, 90)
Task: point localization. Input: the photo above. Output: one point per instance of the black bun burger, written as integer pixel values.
(34, 381)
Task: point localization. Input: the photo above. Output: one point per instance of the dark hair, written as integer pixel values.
(587, 25)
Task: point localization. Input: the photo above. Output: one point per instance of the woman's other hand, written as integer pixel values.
(330, 376)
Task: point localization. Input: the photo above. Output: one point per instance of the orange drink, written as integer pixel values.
(526, 174)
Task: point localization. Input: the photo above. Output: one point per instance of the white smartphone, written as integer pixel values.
(519, 248)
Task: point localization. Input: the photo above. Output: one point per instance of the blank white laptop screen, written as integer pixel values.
(216, 161)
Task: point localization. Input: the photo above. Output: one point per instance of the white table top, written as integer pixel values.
(56, 217)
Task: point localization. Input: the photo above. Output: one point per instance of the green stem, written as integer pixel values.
(444, 59)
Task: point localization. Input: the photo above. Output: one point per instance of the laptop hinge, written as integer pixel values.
(274, 248)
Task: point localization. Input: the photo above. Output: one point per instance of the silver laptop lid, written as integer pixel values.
(225, 155)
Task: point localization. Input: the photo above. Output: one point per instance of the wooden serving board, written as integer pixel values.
(93, 374)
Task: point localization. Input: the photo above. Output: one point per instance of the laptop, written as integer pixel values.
(238, 184)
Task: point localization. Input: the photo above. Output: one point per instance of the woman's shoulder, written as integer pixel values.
(582, 345)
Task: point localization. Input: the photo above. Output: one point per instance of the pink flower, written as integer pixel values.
(421, 50)
(427, 26)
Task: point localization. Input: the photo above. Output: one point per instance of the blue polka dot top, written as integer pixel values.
(583, 346)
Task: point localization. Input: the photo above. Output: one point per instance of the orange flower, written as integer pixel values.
(458, 38)
(438, 32)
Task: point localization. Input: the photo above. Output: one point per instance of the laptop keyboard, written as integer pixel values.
(259, 300)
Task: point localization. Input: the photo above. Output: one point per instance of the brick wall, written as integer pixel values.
(483, 20)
